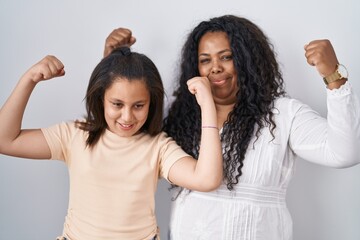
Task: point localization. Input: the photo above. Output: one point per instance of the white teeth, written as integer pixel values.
(125, 125)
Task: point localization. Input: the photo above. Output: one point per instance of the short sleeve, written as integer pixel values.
(59, 137)
(170, 152)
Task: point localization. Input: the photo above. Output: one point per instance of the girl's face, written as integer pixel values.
(126, 106)
(215, 61)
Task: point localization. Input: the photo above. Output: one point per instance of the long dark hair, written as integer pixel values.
(260, 83)
(122, 63)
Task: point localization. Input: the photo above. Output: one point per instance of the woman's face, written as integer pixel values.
(126, 106)
(215, 61)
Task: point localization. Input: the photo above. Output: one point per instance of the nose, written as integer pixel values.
(216, 67)
(126, 115)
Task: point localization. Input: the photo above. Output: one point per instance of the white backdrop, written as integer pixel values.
(324, 203)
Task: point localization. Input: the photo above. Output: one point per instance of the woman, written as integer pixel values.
(262, 130)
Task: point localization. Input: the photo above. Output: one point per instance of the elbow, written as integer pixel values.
(2, 149)
(208, 185)
(350, 159)
(212, 187)
(344, 155)
(347, 163)
(6, 148)
(6, 145)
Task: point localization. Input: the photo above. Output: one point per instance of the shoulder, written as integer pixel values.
(286, 105)
(162, 138)
(146, 139)
(165, 143)
(70, 126)
(287, 110)
(64, 130)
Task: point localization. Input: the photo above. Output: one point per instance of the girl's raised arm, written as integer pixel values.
(15, 141)
(205, 174)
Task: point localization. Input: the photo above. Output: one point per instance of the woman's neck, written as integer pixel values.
(222, 112)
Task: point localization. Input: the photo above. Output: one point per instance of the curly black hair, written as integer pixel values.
(260, 82)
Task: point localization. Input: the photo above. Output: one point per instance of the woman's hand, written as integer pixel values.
(321, 54)
(119, 37)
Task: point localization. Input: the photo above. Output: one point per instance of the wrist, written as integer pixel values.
(339, 76)
(210, 126)
(29, 80)
(337, 84)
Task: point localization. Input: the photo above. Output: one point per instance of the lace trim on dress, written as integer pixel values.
(343, 90)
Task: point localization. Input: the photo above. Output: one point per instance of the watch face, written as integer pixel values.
(342, 71)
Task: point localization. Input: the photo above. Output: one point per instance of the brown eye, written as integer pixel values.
(227, 57)
(139, 106)
(204, 60)
(116, 104)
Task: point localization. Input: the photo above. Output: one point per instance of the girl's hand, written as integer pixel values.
(119, 37)
(200, 87)
(47, 68)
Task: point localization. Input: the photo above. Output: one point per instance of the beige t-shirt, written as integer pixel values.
(112, 185)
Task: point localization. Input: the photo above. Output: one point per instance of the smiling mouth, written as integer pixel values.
(218, 82)
(126, 126)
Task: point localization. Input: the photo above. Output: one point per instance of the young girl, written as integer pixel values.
(116, 155)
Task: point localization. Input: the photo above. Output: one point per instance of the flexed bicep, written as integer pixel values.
(14, 140)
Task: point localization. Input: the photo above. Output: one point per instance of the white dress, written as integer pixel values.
(256, 208)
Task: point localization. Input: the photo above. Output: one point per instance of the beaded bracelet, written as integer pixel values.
(210, 127)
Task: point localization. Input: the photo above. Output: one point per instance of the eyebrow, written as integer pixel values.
(121, 101)
(222, 51)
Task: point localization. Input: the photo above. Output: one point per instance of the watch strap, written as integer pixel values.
(334, 77)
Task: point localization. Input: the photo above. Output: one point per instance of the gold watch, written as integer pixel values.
(340, 73)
